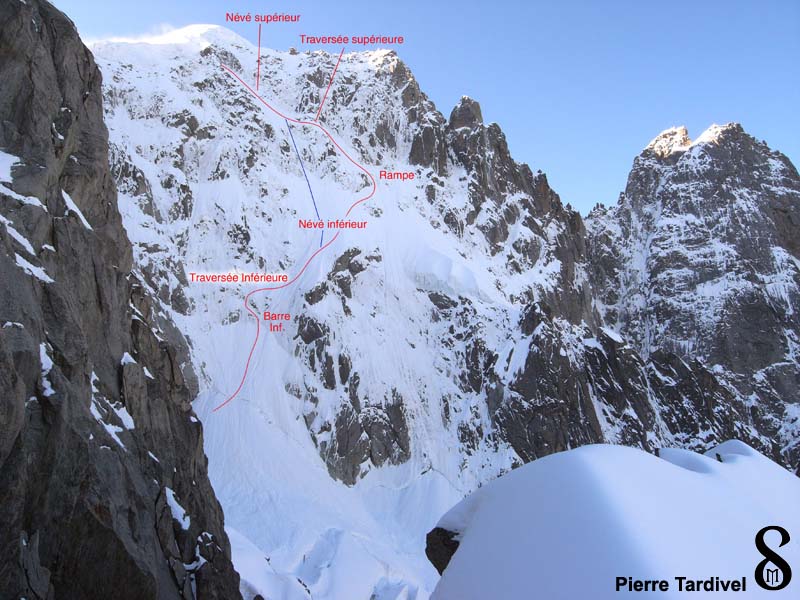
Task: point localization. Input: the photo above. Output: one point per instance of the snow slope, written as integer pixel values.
(565, 526)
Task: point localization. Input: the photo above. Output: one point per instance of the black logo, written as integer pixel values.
(779, 577)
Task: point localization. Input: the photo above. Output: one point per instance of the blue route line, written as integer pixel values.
(310, 191)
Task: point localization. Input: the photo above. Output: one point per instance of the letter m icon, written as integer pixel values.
(773, 576)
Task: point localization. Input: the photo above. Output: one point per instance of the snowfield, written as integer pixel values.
(565, 526)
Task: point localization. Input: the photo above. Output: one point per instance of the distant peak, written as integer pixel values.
(669, 141)
(715, 133)
(467, 113)
(676, 139)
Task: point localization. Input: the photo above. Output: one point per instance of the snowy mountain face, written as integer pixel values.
(457, 335)
(700, 259)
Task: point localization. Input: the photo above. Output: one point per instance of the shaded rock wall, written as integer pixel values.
(104, 491)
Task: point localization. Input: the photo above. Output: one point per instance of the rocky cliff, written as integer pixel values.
(104, 491)
(700, 259)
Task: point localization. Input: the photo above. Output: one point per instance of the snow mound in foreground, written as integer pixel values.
(565, 526)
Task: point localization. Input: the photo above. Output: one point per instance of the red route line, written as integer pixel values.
(258, 68)
(330, 83)
(318, 251)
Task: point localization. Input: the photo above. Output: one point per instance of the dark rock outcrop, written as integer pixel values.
(440, 545)
(104, 491)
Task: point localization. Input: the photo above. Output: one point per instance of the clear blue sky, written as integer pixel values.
(579, 87)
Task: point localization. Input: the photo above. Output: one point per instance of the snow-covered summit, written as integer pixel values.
(197, 37)
(676, 139)
(669, 141)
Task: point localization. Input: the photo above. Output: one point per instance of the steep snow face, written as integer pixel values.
(701, 258)
(394, 328)
(451, 338)
(548, 526)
